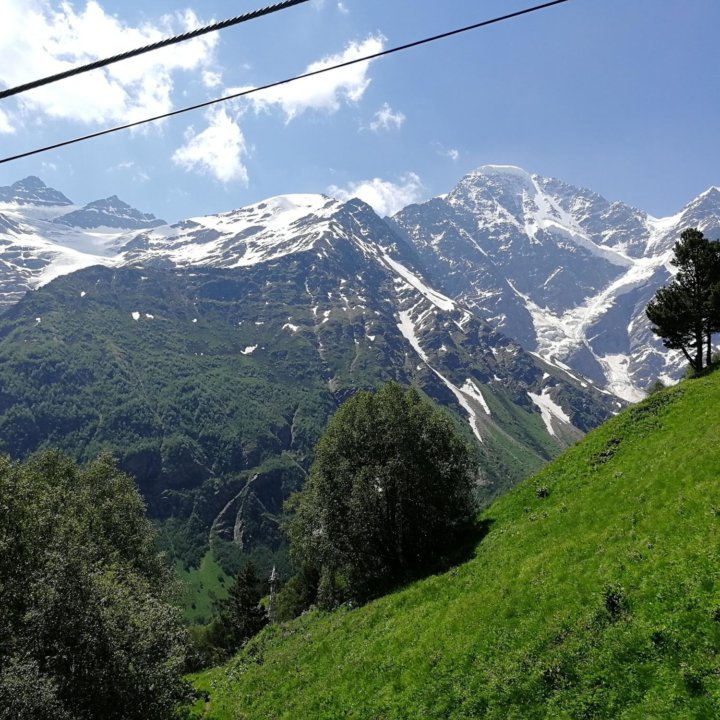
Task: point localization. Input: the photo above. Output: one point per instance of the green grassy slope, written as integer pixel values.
(598, 597)
(202, 586)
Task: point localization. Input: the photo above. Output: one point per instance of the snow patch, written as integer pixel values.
(549, 410)
(471, 389)
(441, 301)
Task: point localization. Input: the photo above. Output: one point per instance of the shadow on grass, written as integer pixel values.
(463, 549)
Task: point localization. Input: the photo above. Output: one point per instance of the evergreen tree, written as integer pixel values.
(390, 486)
(686, 313)
(240, 616)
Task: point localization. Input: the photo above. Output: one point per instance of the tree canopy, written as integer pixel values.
(686, 312)
(240, 615)
(390, 485)
(86, 629)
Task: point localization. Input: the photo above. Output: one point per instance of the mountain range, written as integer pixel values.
(208, 354)
(558, 268)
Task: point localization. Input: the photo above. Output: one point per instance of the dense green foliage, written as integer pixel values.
(595, 594)
(389, 488)
(686, 313)
(212, 387)
(236, 617)
(240, 615)
(86, 628)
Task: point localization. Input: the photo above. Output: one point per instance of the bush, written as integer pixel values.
(656, 386)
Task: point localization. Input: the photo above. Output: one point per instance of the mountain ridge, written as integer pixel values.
(561, 269)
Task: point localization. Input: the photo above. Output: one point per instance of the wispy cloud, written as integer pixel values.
(450, 153)
(387, 119)
(219, 150)
(384, 196)
(55, 37)
(343, 8)
(327, 92)
(5, 125)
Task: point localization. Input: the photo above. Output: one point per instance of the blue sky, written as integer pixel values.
(616, 95)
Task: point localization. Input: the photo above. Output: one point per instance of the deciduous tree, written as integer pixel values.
(86, 626)
(390, 486)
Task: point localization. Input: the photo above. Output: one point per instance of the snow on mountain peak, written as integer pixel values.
(109, 212)
(506, 170)
(32, 191)
(261, 232)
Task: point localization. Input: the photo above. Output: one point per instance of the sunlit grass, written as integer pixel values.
(595, 594)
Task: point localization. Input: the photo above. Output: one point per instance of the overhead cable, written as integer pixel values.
(313, 73)
(152, 47)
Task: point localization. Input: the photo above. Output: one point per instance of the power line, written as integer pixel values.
(150, 48)
(251, 91)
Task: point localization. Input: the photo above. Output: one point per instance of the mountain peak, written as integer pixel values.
(31, 182)
(33, 191)
(110, 212)
(511, 170)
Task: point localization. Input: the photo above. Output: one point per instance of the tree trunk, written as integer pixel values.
(689, 358)
(699, 344)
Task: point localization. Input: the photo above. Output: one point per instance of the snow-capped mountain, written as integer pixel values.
(559, 268)
(109, 213)
(44, 235)
(33, 192)
(326, 287)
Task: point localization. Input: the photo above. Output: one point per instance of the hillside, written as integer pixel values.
(212, 384)
(594, 594)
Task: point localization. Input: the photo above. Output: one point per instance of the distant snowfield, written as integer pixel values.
(407, 328)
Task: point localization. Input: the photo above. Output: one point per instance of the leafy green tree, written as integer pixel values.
(686, 313)
(240, 617)
(390, 486)
(86, 626)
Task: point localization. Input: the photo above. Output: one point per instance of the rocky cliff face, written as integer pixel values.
(564, 271)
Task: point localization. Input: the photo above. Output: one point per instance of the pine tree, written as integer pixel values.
(686, 313)
(240, 616)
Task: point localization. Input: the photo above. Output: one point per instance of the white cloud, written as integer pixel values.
(138, 174)
(55, 37)
(343, 8)
(450, 153)
(326, 92)
(219, 150)
(387, 119)
(211, 78)
(5, 125)
(385, 197)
